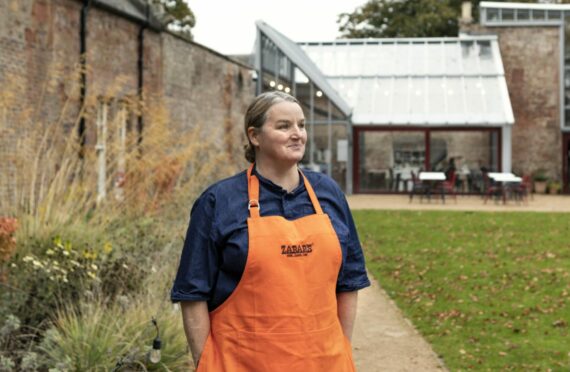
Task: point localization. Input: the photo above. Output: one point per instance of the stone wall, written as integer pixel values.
(206, 89)
(39, 73)
(531, 59)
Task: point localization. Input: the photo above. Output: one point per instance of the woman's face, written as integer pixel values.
(282, 137)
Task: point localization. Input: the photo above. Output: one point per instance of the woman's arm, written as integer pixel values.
(346, 308)
(196, 326)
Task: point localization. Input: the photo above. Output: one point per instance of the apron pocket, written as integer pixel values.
(321, 350)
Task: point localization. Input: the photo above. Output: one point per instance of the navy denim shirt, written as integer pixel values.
(215, 250)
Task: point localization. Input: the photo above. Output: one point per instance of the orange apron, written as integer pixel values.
(282, 316)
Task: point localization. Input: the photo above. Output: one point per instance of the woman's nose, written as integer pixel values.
(297, 130)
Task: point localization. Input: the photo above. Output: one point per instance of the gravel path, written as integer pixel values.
(383, 339)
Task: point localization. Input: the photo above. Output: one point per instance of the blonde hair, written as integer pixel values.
(256, 115)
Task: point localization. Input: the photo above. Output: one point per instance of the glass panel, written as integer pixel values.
(486, 62)
(492, 14)
(400, 96)
(418, 58)
(492, 97)
(453, 63)
(465, 153)
(365, 95)
(356, 60)
(284, 66)
(508, 14)
(554, 14)
(418, 99)
(455, 103)
(369, 64)
(322, 153)
(474, 98)
(300, 77)
(382, 88)
(350, 91)
(436, 59)
(387, 159)
(327, 61)
(385, 64)
(436, 98)
(341, 59)
(567, 117)
(538, 14)
(523, 14)
(401, 59)
(470, 56)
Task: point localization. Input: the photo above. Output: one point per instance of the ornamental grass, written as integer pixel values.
(88, 267)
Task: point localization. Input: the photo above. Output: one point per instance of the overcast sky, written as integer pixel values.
(228, 26)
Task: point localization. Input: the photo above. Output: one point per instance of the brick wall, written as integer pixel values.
(39, 57)
(206, 89)
(531, 59)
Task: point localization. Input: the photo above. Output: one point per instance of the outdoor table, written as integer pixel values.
(431, 178)
(504, 179)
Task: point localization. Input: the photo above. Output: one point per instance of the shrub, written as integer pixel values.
(8, 227)
(61, 274)
(104, 337)
(540, 175)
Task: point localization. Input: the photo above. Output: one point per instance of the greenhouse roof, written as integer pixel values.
(422, 81)
(305, 64)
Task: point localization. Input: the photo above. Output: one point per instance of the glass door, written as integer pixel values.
(388, 158)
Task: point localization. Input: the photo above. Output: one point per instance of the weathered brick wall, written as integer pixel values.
(35, 49)
(531, 58)
(206, 89)
(39, 60)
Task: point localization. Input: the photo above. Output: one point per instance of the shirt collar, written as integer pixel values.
(276, 188)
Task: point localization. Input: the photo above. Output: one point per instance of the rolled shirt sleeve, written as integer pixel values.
(198, 268)
(352, 275)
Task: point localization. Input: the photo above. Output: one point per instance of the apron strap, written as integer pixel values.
(253, 193)
(312, 194)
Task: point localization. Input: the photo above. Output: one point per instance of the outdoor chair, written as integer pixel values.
(491, 188)
(522, 190)
(448, 186)
(418, 187)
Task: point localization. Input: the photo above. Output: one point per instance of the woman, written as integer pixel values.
(270, 269)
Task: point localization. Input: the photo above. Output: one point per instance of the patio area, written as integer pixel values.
(538, 203)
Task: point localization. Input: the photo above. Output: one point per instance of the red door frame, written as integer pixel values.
(356, 130)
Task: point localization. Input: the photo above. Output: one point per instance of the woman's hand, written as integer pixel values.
(196, 326)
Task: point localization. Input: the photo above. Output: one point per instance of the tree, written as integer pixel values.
(407, 18)
(180, 17)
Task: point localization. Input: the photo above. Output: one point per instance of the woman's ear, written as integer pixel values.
(252, 134)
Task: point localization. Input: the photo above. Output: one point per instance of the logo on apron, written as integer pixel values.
(296, 250)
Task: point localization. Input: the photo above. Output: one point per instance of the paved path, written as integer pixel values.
(539, 203)
(383, 339)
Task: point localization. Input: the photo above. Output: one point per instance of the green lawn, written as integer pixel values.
(489, 291)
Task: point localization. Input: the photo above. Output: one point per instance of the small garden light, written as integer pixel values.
(154, 354)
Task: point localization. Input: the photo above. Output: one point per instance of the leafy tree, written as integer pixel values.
(407, 18)
(180, 17)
